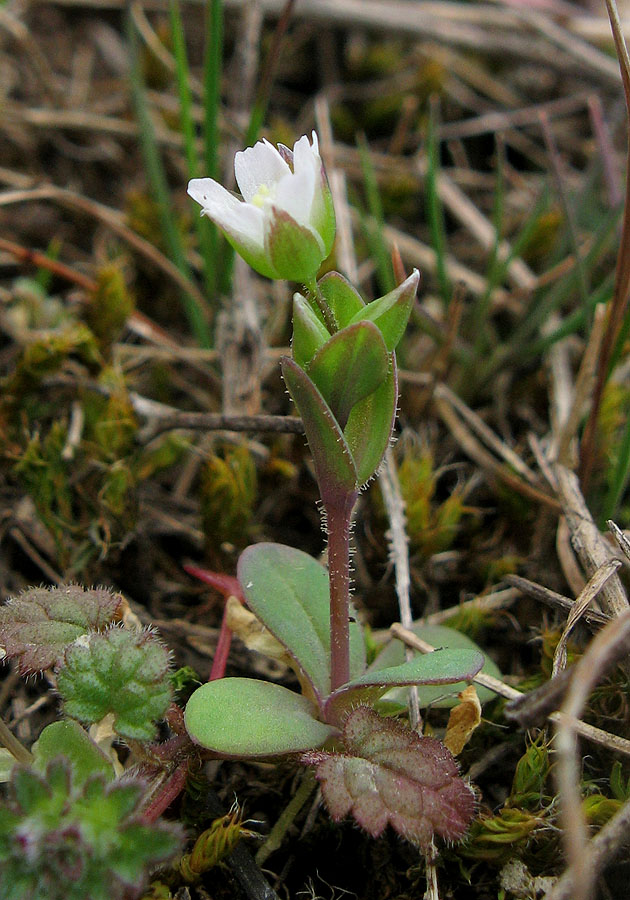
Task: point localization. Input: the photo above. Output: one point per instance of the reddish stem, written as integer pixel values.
(338, 519)
(168, 793)
(223, 649)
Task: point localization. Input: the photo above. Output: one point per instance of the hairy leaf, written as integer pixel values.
(120, 672)
(389, 774)
(334, 466)
(39, 624)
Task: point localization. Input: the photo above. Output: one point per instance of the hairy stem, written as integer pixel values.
(338, 519)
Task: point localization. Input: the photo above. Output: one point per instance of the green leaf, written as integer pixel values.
(438, 668)
(350, 366)
(121, 672)
(309, 332)
(247, 718)
(391, 313)
(288, 591)
(334, 466)
(70, 740)
(393, 654)
(344, 301)
(38, 624)
(371, 423)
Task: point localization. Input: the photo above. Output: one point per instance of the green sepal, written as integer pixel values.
(344, 301)
(295, 251)
(309, 332)
(370, 425)
(242, 717)
(334, 466)
(391, 312)
(350, 366)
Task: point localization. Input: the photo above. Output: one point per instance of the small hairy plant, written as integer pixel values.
(60, 840)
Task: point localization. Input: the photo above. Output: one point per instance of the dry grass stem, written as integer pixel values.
(608, 648)
(590, 732)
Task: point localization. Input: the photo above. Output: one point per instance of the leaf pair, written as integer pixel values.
(288, 591)
(345, 384)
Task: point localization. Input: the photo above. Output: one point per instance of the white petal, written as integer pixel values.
(206, 191)
(243, 222)
(256, 166)
(295, 194)
(305, 156)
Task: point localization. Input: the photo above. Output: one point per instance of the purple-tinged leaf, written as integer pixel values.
(39, 624)
(334, 466)
(344, 301)
(370, 425)
(443, 667)
(247, 718)
(389, 774)
(349, 367)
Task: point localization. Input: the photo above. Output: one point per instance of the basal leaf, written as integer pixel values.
(439, 668)
(38, 624)
(288, 591)
(68, 739)
(247, 718)
(349, 367)
(389, 774)
(121, 672)
(393, 654)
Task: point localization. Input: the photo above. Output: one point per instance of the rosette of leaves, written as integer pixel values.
(118, 672)
(63, 840)
(242, 717)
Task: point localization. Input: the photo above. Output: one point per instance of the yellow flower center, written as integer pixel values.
(264, 193)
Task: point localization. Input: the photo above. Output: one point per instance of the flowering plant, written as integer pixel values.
(285, 225)
(342, 378)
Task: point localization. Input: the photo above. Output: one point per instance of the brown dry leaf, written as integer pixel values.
(253, 633)
(463, 720)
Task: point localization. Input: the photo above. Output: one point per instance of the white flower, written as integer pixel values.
(285, 225)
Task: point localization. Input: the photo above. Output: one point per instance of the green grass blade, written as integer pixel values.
(203, 225)
(373, 226)
(620, 478)
(156, 176)
(219, 253)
